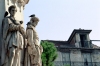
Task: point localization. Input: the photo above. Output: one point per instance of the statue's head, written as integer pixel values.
(34, 21)
(12, 10)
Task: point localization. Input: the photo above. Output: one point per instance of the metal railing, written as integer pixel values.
(85, 44)
(89, 44)
(68, 63)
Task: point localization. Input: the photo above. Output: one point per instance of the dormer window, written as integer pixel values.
(80, 38)
(83, 40)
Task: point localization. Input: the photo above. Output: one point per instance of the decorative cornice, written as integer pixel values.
(22, 2)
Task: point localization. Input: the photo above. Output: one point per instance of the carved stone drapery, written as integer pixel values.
(22, 2)
(25, 1)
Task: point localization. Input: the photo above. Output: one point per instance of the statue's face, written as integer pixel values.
(13, 11)
(34, 24)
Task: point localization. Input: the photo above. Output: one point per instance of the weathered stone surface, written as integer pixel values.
(13, 39)
(34, 49)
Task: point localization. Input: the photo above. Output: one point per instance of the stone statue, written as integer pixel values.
(33, 45)
(13, 39)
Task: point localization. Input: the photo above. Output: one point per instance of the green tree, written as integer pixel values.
(49, 53)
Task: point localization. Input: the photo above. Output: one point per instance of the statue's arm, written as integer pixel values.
(29, 34)
(30, 40)
(13, 27)
(10, 26)
(22, 31)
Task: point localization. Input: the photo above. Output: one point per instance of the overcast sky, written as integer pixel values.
(58, 18)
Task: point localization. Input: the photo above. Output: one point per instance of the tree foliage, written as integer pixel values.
(49, 53)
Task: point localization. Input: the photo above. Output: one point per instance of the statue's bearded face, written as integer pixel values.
(13, 11)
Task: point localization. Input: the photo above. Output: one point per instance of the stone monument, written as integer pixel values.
(33, 53)
(17, 46)
(4, 4)
(13, 39)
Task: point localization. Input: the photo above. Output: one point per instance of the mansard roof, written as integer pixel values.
(78, 31)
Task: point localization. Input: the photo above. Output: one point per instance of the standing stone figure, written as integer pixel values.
(33, 45)
(13, 39)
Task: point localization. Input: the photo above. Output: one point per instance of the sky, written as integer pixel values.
(58, 18)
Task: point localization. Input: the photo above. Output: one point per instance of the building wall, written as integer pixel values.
(68, 58)
(77, 58)
(59, 58)
(75, 54)
(96, 56)
(63, 58)
(87, 56)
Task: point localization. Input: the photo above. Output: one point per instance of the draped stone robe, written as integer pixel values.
(33, 47)
(12, 37)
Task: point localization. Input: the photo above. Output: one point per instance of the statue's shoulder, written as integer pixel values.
(6, 18)
(29, 23)
(29, 26)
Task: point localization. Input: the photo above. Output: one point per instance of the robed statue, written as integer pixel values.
(13, 39)
(33, 53)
